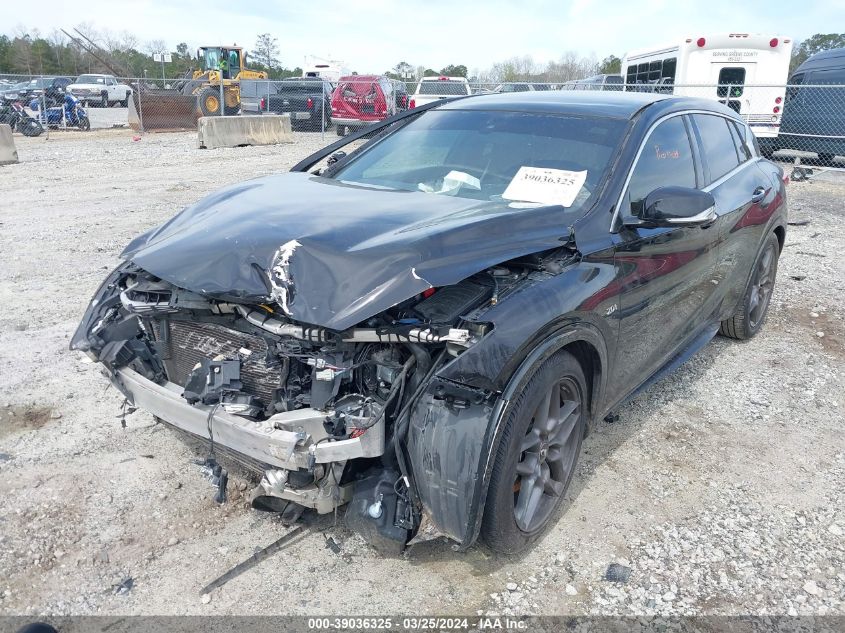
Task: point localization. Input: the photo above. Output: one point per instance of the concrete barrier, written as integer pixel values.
(8, 153)
(235, 131)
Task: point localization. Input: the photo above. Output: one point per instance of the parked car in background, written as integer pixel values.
(521, 86)
(361, 100)
(306, 99)
(13, 92)
(100, 90)
(433, 88)
(425, 330)
(596, 82)
(814, 109)
(52, 88)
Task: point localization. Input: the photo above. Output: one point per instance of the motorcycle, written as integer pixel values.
(17, 118)
(69, 114)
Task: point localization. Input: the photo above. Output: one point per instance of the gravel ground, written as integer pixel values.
(719, 491)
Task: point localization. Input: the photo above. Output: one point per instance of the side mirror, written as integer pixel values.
(676, 206)
(331, 160)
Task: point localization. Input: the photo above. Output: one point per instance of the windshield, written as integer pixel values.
(212, 59)
(91, 79)
(442, 87)
(480, 154)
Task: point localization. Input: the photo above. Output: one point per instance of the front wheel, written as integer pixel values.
(209, 102)
(104, 100)
(84, 124)
(537, 454)
(749, 319)
(125, 102)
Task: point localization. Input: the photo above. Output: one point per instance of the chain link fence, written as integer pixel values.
(789, 121)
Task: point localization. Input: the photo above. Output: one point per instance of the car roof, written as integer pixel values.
(833, 58)
(622, 105)
(361, 77)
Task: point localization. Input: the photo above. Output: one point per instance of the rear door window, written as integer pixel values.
(665, 161)
(717, 144)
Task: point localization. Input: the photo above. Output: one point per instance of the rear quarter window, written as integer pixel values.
(738, 133)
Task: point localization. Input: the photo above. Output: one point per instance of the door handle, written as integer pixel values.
(759, 194)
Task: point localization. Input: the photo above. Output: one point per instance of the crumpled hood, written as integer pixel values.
(348, 252)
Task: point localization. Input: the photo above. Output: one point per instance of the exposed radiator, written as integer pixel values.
(190, 342)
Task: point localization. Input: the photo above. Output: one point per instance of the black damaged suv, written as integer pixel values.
(425, 330)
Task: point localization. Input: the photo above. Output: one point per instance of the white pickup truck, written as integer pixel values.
(100, 90)
(433, 88)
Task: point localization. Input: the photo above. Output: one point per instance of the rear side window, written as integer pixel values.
(739, 141)
(791, 88)
(832, 76)
(717, 144)
(665, 161)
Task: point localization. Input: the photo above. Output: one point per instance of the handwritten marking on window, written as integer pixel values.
(663, 154)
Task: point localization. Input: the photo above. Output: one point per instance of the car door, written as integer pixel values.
(746, 197)
(667, 275)
(111, 87)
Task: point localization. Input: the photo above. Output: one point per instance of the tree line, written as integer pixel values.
(29, 52)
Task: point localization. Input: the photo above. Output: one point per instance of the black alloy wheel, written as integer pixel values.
(537, 454)
(751, 315)
(762, 285)
(549, 450)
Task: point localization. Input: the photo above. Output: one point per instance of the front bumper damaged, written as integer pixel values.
(285, 441)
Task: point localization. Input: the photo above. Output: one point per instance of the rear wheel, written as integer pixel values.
(537, 454)
(30, 127)
(104, 100)
(84, 124)
(755, 303)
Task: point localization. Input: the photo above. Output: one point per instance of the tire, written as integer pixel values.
(104, 99)
(125, 102)
(30, 128)
(509, 525)
(339, 130)
(84, 124)
(209, 101)
(751, 315)
(826, 159)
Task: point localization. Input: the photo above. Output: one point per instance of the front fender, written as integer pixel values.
(453, 437)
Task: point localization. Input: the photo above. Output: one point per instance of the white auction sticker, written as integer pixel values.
(546, 186)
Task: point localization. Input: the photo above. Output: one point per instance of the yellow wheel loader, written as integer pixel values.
(198, 95)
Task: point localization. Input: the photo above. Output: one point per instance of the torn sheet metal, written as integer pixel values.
(335, 254)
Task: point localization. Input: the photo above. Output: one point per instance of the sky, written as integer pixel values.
(375, 35)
